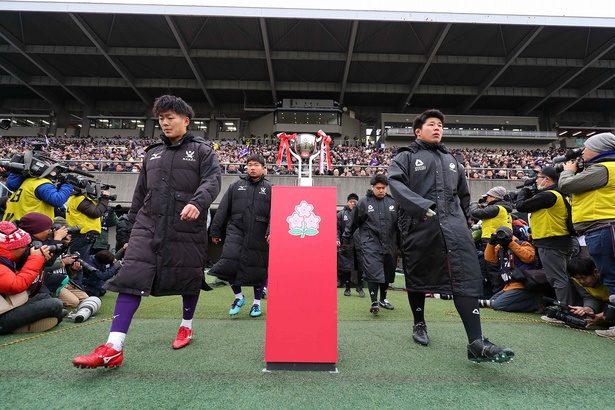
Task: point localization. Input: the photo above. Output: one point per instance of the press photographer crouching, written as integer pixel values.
(100, 268)
(595, 294)
(22, 308)
(513, 256)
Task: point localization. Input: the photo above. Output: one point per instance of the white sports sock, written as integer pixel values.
(257, 302)
(239, 295)
(186, 323)
(117, 340)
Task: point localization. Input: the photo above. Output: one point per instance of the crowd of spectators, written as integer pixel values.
(125, 155)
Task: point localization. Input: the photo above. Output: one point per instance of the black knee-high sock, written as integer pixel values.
(467, 307)
(383, 290)
(373, 291)
(417, 305)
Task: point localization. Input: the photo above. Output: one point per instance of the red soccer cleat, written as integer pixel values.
(104, 355)
(184, 336)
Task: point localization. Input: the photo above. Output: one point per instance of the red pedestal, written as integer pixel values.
(301, 330)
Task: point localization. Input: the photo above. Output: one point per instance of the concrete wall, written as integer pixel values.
(125, 183)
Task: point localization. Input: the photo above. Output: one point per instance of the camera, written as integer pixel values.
(85, 267)
(558, 162)
(111, 197)
(89, 307)
(528, 183)
(560, 311)
(53, 249)
(72, 230)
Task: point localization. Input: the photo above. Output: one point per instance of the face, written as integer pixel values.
(18, 252)
(255, 169)
(351, 203)
(588, 154)
(380, 190)
(173, 125)
(431, 131)
(542, 182)
(588, 281)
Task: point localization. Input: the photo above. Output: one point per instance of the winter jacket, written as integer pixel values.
(439, 254)
(166, 255)
(14, 282)
(345, 252)
(242, 220)
(93, 282)
(376, 220)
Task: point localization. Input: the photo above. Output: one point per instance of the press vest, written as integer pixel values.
(24, 200)
(596, 205)
(600, 292)
(549, 222)
(490, 225)
(75, 217)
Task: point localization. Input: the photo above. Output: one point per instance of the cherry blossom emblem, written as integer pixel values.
(303, 222)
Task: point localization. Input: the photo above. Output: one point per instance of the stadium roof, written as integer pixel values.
(241, 62)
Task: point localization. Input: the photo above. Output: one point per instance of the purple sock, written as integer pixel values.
(236, 289)
(258, 292)
(190, 302)
(125, 308)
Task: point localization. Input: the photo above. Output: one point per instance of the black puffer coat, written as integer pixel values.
(376, 220)
(242, 219)
(438, 254)
(345, 252)
(165, 255)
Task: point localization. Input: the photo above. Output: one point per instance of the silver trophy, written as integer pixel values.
(305, 148)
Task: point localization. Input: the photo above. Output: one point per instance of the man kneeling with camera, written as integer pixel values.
(512, 255)
(595, 294)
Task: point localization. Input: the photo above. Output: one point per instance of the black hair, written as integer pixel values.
(420, 120)
(104, 257)
(580, 266)
(257, 158)
(379, 178)
(166, 103)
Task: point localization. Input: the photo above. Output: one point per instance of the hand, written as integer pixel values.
(105, 194)
(60, 233)
(215, 240)
(76, 266)
(45, 252)
(68, 260)
(570, 166)
(338, 244)
(189, 213)
(581, 310)
(493, 240)
(267, 237)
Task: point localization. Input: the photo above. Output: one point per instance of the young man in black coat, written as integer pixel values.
(438, 251)
(242, 219)
(167, 249)
(348, 254)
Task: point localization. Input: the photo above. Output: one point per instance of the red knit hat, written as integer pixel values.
(12, 237)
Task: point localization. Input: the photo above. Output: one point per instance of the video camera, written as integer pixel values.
(528, 183)
(558, 162)
(560, 311)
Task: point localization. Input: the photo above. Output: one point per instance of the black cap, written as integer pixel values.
(352, 196)
(551, 173)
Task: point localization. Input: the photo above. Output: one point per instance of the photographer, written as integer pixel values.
(593, 196)
(22, 311)
(109, 219)
(493, 211)
(595, 295)
(100, 268)
(35, 194)
(551, 226)
(511, 255)
(85, 211)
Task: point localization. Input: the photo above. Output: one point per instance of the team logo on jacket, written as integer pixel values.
(189, 156)
(370, 208)
(154, 156)
(263, 191)
(419, 165)
(452, 167)
(392, 208)
(345, 217)
(242, 188)
(303, 222)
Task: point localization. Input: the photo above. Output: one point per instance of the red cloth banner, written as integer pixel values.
(325, 152)
(285, 146)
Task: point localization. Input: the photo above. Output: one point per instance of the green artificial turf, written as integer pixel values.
(379, 366)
